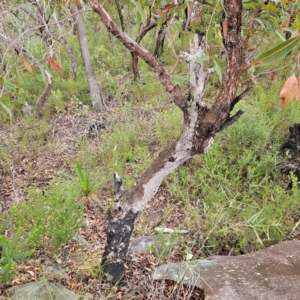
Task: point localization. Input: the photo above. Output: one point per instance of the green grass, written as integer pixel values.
(233, 197)
(235, 193)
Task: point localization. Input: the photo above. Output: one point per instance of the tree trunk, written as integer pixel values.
(92, 80)
(200, 124)
(159, 47)
(42, 100)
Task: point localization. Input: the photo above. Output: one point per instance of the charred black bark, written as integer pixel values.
(292, 148)
(118, 237)
(159, 48)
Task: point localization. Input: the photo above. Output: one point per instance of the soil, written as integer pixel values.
(21, 168)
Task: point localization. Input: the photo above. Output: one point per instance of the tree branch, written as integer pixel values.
(40, 103)
(173, 90)
(200, 125)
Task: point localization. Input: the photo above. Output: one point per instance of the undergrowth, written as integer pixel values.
(235, 194)
(234, 197)
(48, 220)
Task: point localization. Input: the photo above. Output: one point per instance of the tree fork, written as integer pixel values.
(200, 124)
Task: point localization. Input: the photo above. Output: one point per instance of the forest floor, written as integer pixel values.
(25, 161)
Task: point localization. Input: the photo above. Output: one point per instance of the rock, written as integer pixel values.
(269, 274)
(158, 244)
(55, 272)
(88, 296)
(78, 238)
(41, 290)
(141, 244)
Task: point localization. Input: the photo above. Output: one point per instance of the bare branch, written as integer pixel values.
(200, 124)
(173, 90)
(40, 103)
(120, 14)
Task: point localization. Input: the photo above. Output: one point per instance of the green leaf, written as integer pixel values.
(278, 52)
(207, 3)
(281, 35)
(218, 69)
(268, 7)
(9, 85)
(160, 21)
(43, 74)
(141, 10)
(8, 110)
(202, 59)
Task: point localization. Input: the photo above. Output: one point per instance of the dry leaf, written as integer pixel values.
(254, 47)
(30, 273)
(27, 66)
(55, 65)
(290, 90)
(78, 4)
(167, 7)
(296, 33)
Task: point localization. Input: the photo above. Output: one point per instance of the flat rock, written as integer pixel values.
(55, 272)
(141, 244)
(41, 290)
(272, 273)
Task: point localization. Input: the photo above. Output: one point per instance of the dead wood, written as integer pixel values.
(200, 124)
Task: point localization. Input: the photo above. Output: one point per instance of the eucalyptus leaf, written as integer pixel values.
(278, 52)
(281, 35)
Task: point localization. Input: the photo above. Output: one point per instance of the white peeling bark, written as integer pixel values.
(197, 73)
(181, 154)
(184, 145)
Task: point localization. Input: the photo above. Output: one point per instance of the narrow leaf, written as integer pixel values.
(218, 69)
(43, 74)
(278, 52)
(281, 35)
(202, 59)
(55, 65)
(8, 110)
(167, 7)
(160, 21)
(9, 85)
(141, 11)
(27, 66)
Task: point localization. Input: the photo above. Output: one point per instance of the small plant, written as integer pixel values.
(87, 184)
(11, 249)
(51, 217)
(163, 245)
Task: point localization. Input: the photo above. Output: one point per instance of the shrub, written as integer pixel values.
(11, 249)
(51, 217)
